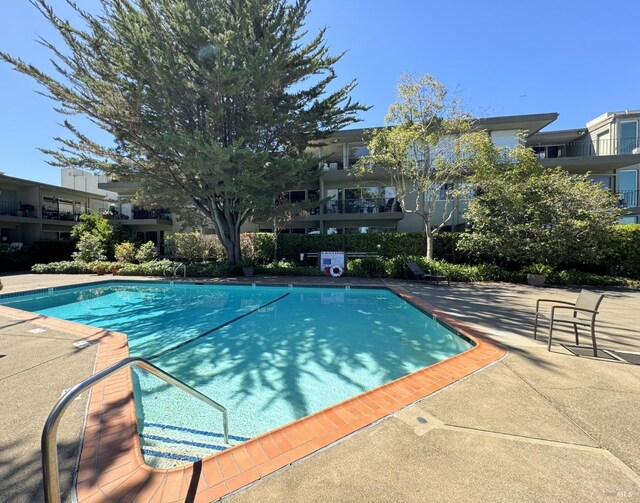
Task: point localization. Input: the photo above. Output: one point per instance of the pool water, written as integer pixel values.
(270, 355)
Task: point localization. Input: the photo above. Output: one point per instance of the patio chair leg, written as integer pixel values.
(593, 338)
(575, 329)
(550, 331)
(535, 326)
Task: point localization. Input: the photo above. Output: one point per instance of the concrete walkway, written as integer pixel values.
(536, 426)
(36, 365)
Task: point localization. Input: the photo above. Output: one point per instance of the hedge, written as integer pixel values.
(623, 251)
(66, 267)
(291, 245)
(43, 251)
(621, 255)
(368, 267)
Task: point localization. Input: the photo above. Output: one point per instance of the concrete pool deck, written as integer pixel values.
(534, 426)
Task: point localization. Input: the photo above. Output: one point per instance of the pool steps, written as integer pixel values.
(169, 445)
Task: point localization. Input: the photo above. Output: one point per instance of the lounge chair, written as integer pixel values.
(585, 310)
(420, 275)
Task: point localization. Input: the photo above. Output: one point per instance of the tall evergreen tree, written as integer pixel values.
(210, 103)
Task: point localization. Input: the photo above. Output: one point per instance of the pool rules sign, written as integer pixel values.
(332, 263)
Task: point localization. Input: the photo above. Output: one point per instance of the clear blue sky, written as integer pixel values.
(579, 59)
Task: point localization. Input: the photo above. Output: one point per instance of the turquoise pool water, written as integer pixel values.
(269, 354)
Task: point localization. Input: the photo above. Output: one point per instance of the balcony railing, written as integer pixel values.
(628, 198)
(612, 146)
(362, 205)
(157, 214)
(56, 214)
(18, 210)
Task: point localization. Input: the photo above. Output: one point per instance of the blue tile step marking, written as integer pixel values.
(194, 431)
(169, 440)
(166, 443)
(169, 455)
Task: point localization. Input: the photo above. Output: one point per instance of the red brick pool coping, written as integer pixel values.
(111, 464)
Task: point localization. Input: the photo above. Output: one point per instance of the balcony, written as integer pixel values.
(62, 216)
(362, 206)
(157, 214)
(18, 210)
(612, 146)
(628, 199)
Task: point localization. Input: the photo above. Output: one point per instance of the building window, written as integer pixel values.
(548, 151)
(604, 181)
(629, 219)
(333, 157)
(628, 188)
(628, 140)
(356, 151)
(296, 196)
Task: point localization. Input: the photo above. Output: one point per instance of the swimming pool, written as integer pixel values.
(269, 354)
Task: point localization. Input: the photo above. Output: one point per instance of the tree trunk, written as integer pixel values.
(275, 240)
(228, 231)
(428, 231)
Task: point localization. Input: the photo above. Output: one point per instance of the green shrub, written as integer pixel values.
(146, 253)
(589, 279)
(542, 269)
(194, 246)
(108, 232)
(222, 269)
(151, 268)
(368, 267)
(622, 255)
(89, 248)
(284, 268)
(125, 252)
(390, 244)
(67, 267)
(40, 252)
(51, 250)
(100, 267)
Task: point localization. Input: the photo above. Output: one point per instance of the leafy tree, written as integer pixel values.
(527, 214)
(210, 103)
(416, 150)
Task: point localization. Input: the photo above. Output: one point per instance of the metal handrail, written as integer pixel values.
(49, 443)
(184, 268)
(174, 273)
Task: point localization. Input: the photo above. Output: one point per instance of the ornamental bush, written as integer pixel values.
(65, 267)
(146, 253)
(368, 267)
(151, 268)
(89, 248)
(194, 246)
(125, 252)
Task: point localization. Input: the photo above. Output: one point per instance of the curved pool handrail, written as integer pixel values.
(49, 443)
(177, 268)
(174, 271)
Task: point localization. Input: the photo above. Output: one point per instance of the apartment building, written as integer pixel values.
(149, 224)
(30, 211)
(607, 148)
